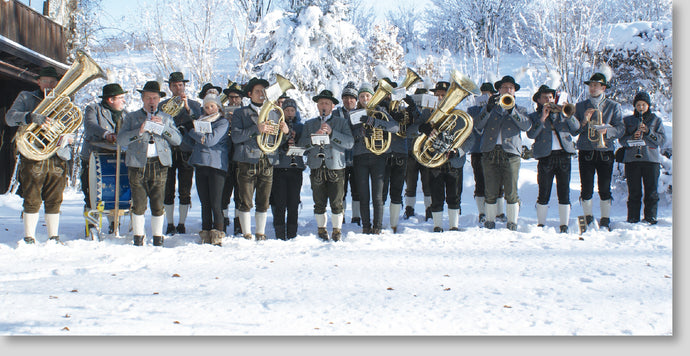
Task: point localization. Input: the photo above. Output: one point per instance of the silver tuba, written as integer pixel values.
(40, 142)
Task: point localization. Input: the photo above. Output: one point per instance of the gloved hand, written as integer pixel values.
(491, 103)
(367, 120)
(425, 128)
(409, 101)
(37, 119)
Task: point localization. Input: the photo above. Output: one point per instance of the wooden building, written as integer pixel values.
(28, 41)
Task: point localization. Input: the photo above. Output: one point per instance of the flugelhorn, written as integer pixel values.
(411, 77)
(380, 141)
(269, 141)
(506, 101)
(444, 118)
(592, 133)
(40, 142)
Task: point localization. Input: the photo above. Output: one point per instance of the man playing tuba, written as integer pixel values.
(41, 180)
(501, 145)
(254, 166)
(593, 158)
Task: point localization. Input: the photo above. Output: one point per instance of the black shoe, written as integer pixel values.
(540, 225)
(291, 231)
(589, 219)
(158, 240)
(564, 229)
(409, 211)
(111, 228)
(438, 229)
(490, 224)
(632, 220)
(512, 226)
(604, 222)
(181, 229)
(29, 240)
(482, 218)
(651, 221)
(501, 218)
(170, 230)
(357, 221)
(336, 235)
(323, 233)
(428, 214)
(138, 240)
(237, 227)
(280, 232)
(54, 238)
(366, 230)
(454, 229)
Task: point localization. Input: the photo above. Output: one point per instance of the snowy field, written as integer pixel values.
(475, 282)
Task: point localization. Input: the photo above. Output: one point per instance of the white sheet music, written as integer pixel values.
(398, 94)
(636, 143)
(203, 127)
(153, 127)
(322, 139)
(273, 92)
(356, 116)
(429, 101)
(295, 151)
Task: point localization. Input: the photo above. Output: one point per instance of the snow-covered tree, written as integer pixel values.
(385, 49)
(314, 50)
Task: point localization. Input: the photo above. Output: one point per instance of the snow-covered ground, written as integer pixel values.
(475, 282)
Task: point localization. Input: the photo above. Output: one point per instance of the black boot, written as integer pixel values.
(438, 229)
(55, 238)
(323, 233)
(336, 235)
(181, 229)
(356, 220)
(589, 219)
(650, 212)
(236, 226)
(170, 230)
(138, 240)
(605, 222)
(490, 224)
(428, 214)
(158, 240)
(280, 231)
(633, 213)
(409, 212)
(564, 229)
(29, 240)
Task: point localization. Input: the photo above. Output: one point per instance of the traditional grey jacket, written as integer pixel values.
(18, 115)
(509, 123)
(340, 140)
(137, 144)
(210, 149)
(476, 135)
(542, 133)
(610, 114)
(244, 132)
(359, 132)
(98, 120)
(654, 139)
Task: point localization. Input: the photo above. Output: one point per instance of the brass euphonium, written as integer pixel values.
(40, 142)
(410, 78)
(378, 143)
(270, 141)
(173, 106)
(592, 133)
(444, 118)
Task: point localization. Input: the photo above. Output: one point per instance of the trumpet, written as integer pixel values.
(506, 101)
(592, 133)
(567, 109)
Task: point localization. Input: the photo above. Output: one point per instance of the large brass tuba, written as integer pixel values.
(445, 118)
(269, 142)
(411, 77)
(40, 142)
(378, 143)
(592, 133)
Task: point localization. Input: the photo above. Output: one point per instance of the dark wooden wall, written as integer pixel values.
(29, 28)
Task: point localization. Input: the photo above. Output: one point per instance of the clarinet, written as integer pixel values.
(293, 162)
(150, 116)
(638, 155)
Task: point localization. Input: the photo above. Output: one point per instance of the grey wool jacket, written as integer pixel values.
(137, 144)
(244, 132)
(98, 120)
(610, 114)
(340, 140)
(542, 133)
(654, 139)
(509, 123)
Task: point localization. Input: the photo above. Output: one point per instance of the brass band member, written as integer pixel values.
(416, 169)
(41, 181)
(254, 167)
(185, 172)
(234, 94)
(210, 160)
(370, 167)
(642, 161)
(148, 158)
(349, 98)
(475, 152)
(287, 178)
(553, 145)
(327, 163)
(396, 157)
(101, 123)
(501, 147)
(597, 157)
